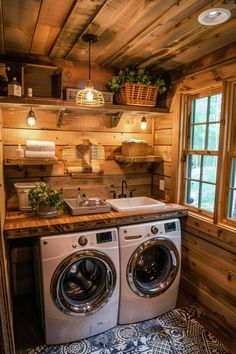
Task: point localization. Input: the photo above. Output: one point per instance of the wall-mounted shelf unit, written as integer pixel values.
(24, 161)
(59, 104)
(138, 159)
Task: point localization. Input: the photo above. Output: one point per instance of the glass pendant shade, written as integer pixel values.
(89, 96)
(31, 119)
(144, 123)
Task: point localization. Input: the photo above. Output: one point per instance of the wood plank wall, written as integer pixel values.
(74, 126)
(166, 145)
(209, 250)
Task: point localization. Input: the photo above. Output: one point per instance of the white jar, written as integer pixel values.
(19, 151)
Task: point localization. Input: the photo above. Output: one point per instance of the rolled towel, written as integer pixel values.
(40, 154)
(37, 145)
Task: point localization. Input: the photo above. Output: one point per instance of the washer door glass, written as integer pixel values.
(83, 283)
(153, 267)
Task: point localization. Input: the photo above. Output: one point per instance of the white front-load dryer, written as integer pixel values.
(79, 284)
(150, 255)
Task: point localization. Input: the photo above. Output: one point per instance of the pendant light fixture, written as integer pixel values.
(143, 123)
(31, 119)
(89, 96)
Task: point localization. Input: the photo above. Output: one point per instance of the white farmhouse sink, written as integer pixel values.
(135, 203)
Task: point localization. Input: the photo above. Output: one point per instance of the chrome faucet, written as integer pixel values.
(123, 186)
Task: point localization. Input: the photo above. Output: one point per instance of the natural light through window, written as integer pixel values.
(232, 191)
(202, 153)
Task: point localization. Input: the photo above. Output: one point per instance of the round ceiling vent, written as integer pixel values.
(214, 16)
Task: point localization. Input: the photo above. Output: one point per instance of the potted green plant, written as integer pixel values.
(136, 86)
(45, 200)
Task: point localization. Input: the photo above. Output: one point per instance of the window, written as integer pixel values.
(209, 153)
(232, 191)
(202, 151)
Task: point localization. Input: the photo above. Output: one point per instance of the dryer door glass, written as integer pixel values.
(83, 283)
(153, 267)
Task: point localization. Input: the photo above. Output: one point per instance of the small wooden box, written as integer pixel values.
(134, 149)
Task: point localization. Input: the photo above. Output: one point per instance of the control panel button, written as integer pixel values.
(83, 240)
(154, 229)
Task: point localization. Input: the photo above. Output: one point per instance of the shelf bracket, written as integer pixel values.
(60, 117)
(115, 118)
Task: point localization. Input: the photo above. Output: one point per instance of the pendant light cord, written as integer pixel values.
(89, 61)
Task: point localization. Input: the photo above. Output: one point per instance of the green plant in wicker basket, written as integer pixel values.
(134, 74)
(42, 194)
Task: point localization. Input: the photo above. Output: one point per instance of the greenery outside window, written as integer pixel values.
(202, 150)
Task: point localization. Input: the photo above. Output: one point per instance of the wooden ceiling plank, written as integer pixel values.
(209, 43)
(162, 24)
(20, 17)
(120, 20)
(50, 21)
(188, 37)
(166, 39)
(80, 15)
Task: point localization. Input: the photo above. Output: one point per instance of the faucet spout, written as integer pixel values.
(123, 186)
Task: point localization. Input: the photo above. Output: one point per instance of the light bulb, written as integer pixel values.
(213, 13)
(31, 121)
(143, 125)
(89, 95)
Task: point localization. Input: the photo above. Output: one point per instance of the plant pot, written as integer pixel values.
(47, 211)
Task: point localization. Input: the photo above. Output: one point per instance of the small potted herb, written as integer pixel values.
(45, 200)
(136, 86)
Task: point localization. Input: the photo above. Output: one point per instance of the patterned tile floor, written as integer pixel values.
(172, 333)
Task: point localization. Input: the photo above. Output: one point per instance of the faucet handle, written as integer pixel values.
(131, 194)
(113, 194)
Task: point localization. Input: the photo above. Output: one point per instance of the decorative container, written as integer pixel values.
(108, 96)
(134, 149)
(22, 190)
(46, 211)
(137, 95)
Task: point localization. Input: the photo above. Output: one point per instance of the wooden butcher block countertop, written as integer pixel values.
(21, 225)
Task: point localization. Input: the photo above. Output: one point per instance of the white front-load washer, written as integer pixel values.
(150, 255)
(79, 281)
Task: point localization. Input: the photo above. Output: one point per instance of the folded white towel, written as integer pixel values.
(37, 145)
(40, 154)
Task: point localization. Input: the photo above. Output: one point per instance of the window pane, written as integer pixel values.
(215, 108)
(198, 137)
(194, 166)
(209, 168)
(207, 197)
(199, 111)
(192, 192)
(233, 174)
(213, 137)
(232, 204)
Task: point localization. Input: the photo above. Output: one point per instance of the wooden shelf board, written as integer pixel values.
(44, 102)
(30, 161)
(135, 159)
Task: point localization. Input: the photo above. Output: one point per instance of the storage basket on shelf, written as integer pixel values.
(130, 148)
(137, 95)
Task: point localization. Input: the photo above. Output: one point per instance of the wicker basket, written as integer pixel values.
(137, 95)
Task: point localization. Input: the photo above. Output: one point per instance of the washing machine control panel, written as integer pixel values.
(83, 241)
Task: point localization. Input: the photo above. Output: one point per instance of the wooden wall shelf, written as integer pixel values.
(24, 161)
(138, 159)
(59, 104)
